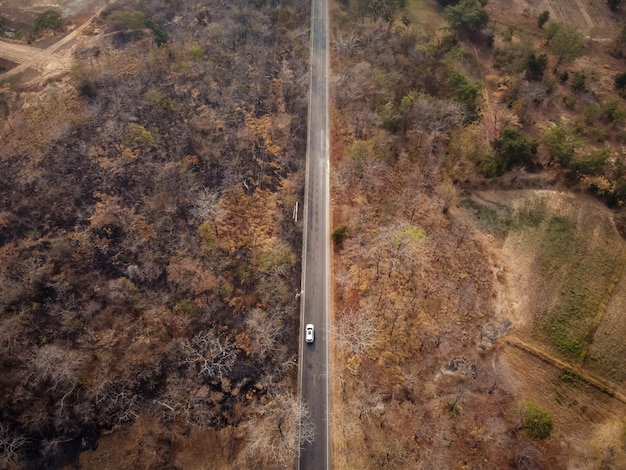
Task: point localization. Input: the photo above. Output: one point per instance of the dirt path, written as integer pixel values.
(558, 363)
(18, 53)
(45, 61)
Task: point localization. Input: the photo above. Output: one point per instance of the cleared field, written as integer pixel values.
(592, 18)
(588, 424)
(19, 14)
(608, 350)
(571, 259)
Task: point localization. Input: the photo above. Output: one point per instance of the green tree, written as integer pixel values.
(565, 42)
(469, 93)
(544, 17)
(512, 148)
(49, 19)
(339, 235)
(514, 56)
(466, 17)
(536, 66)
(160, 36)
(536, 422)
(590, 165)
(196, 52)
(128, 20)
(560, 142)
(391, 120)
(157, 99)
(621, 39)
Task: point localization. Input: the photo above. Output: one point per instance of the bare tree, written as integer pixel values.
(265, 330)
(448, 194)
(116, 401)
(369, 400)
(356, 330)
(206, 206)
(208, 355)
(56, 367)
(346, 43)
(279, 430)
(10, 444)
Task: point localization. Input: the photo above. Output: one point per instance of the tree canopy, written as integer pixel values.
(466, 17)
(513, 149)
(536, 422)
(565, 42)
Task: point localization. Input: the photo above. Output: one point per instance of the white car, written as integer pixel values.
(309, 333)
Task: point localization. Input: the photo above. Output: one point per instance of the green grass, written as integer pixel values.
(496, 221)
(575, 259)
(578, 276)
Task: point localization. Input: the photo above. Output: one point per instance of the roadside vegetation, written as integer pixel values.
(150, 261)
(149, 257)
(435, 108)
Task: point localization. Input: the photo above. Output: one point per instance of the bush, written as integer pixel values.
(49, 19)
(339, 234)
(537, 423)
(513, 149)
(536, 66)
(612, 112)
(614, 5)
(490, 167)
(579, 81)
(620, 81)
(544, 17)
(569, 102)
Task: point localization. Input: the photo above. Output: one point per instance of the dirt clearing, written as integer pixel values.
(593, 18)
(564, 292)
(20, 14)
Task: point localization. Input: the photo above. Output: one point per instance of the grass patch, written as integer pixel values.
(529, 217)
(569, 377)
(576, 274)
(576, 256)
(496, 220)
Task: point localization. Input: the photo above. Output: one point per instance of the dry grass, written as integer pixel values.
(545, 276)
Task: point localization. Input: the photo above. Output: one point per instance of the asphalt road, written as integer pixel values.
(316, 249)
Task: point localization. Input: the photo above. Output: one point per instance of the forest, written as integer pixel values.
(149, 257)
(478, 187)
(150, 260)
